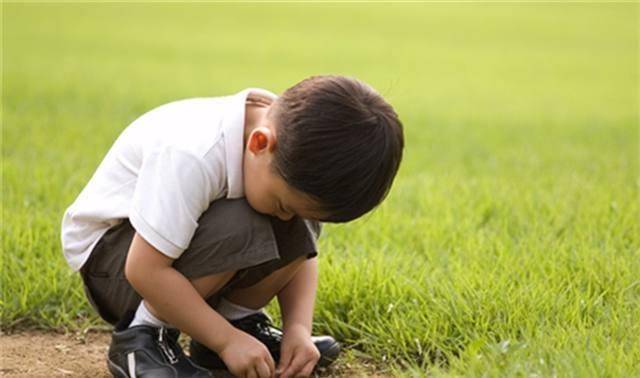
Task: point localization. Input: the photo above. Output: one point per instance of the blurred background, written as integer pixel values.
(510, 241)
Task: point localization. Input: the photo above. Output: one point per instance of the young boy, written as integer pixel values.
(205, 209)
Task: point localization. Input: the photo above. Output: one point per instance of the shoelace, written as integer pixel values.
(165, 347)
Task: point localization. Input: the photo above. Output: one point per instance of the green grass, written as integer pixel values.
(510, 244)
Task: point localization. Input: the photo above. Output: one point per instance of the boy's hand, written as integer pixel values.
(245, 356)
(298, 354)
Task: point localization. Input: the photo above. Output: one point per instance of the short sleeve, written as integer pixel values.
(172, 191)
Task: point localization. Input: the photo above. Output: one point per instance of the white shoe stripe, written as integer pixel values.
(131, 361)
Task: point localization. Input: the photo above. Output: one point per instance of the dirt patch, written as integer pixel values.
(48, 354)
(38, 354)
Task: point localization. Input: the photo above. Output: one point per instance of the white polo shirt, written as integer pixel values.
(162, 173)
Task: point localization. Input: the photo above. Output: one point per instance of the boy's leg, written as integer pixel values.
(254, 287)
(205, 286)
(230, 236)
(253, 297)
(261, 293)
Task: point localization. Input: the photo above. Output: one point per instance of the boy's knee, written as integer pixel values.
(231, 218)
(230, 236)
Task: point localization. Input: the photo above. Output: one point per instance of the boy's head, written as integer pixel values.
(328, 149)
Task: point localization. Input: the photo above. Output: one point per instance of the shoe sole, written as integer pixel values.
(115, 370)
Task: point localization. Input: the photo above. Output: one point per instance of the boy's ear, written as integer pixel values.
(261, 139)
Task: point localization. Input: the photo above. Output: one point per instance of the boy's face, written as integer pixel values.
(265, 190)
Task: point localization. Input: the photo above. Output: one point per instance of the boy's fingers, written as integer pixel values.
(295, 367)
(308, 369)
(285, 360)
(262, 368)
(271, 364)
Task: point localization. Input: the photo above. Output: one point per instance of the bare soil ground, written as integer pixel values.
(48, 354)
(40, 354)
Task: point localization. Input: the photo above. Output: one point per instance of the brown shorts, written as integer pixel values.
(231, 236)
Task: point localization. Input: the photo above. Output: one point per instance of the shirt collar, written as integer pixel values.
(233, 132)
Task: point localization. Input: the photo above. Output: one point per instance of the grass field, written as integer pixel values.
(510, 244)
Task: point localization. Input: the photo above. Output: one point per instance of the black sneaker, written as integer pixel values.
(145, 351)
(259, 325)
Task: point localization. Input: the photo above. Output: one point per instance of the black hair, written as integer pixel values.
(339, 142)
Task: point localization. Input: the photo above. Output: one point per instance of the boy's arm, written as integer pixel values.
(297, 298)
(299, 355)
(178, 302)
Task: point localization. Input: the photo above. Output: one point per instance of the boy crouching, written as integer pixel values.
(205, 209)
